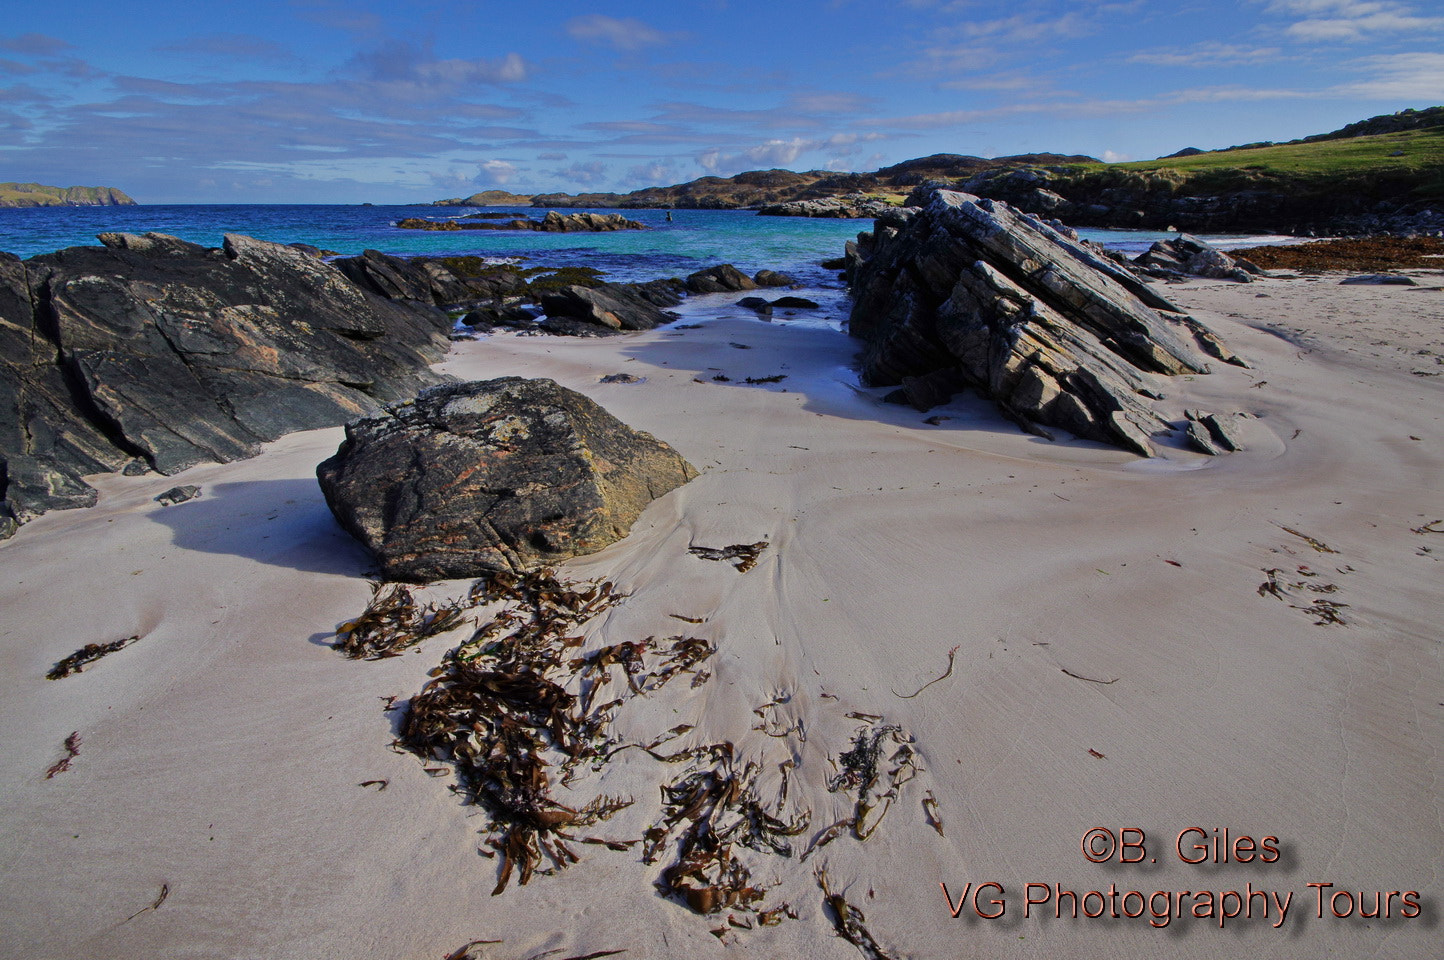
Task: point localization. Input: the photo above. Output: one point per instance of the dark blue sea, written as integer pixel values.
(692, 240)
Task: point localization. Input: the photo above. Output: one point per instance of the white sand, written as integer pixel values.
(221, 754)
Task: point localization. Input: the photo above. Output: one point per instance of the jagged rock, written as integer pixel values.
(1213, 434)
(154, 348)
(609, 305)
(722, 278)
(1380, 279)
(1188, 256)
(498, 475)
(485, 319)
(431, 281)
(177, 495)
(1055, 334)
(771, 278)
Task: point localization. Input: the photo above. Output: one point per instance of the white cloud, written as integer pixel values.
(1208, 54)
(584, 174)
(1353, 19)
(1110, 157)
(1398, 77)
(622, 34)
(495, 173)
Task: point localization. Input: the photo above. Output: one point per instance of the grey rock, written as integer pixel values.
(1380, 279)
(610, 305)
(848, 206)
(1188, 256)
(719, 279)
(1057, 335)
(771, 278)
(758, 305)
(795, 303)
(498, 475)
(156, 349)
(177, 495)
(1213, 434)
(136, 468)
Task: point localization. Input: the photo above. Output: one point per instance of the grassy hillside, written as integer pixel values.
(40, 195)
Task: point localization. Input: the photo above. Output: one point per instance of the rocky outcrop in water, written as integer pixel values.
(553, 222)
(968, 292)
(498, 475)
(39, 195)
(151, 348)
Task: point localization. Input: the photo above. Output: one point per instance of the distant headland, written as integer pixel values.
(39, 195)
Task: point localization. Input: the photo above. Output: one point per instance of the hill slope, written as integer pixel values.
(39, 195)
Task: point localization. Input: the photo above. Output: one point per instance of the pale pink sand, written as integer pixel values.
(222, 753)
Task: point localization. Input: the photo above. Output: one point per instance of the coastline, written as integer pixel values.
(890, 541)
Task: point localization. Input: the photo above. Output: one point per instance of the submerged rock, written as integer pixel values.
(969, 291)
(497, 475)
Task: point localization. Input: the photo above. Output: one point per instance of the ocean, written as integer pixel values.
(692, 240)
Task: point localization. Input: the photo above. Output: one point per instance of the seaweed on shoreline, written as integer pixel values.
(394, 621)
(77, 661)
(862, 775)
(743, 555)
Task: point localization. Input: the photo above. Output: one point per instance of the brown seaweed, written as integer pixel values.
(863, 776)
(75, 663)
(952, 655)
(72, 750)
(394, 621)
(1318, 545)
(850, 922)
(743, 555)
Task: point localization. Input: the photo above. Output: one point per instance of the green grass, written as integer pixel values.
(1423, 152)
(1363, 165)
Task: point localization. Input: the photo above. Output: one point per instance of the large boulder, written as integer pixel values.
(972, 292)
(497, 475)
(154, 348)
(723, 278)
(1188, 256)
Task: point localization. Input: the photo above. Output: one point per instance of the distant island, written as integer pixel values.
(1379, 174)
(39, 195)
(487, 198)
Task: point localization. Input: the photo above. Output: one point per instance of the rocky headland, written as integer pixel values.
(39, 195)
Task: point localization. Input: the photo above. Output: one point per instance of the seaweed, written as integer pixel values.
(775, 378)
(743, 555)
(394, 621)
(499, 710)
(861, 774)
(76, 662)
(72, 750)
(715, 809)
(850, 922)
(1279, 586)
(155, 904)
(1318, 545)
(952, 655)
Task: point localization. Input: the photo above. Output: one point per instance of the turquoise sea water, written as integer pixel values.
(694, 239)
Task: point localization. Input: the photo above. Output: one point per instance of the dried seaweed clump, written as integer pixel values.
(1281, 586)
(500, 709)
(714, 810)
(75, 663)
(863, 776)
(849, 922)
(394, 621)
(743, 555)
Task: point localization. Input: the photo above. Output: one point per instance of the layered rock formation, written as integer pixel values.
(1186, 256)
(970, 292)
(154, 349)
(609, 307)
(499, 475)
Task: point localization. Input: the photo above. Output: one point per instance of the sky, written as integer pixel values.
(351, 101)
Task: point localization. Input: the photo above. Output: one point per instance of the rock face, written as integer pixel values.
(1186, 256)
(158, 349)
(453, 282)
(498, 475)
(553, 222)
(849, 206)
(970, 292)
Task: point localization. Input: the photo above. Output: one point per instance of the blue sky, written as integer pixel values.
(340, 101)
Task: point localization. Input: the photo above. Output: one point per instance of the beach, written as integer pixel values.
(1065, 637)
